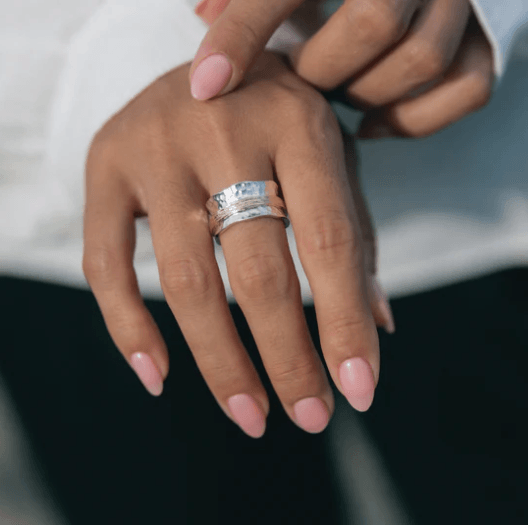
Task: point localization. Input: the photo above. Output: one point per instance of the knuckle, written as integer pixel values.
(329, 236)
(262, 276)
(376, 21)
(311, 119)
(100, 151)
(480, 88)
(129, 334)
(217, 370)
(99, 267)
(295, 371)
(246, 36)
(185, 278)
(341, 329)
(425, 61)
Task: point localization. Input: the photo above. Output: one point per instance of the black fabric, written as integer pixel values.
(113, 454)
(450, 411)
(448, 417)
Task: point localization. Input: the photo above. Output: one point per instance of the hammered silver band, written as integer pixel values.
(244, 201)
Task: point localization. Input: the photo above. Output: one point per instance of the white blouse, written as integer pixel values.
(448, 207)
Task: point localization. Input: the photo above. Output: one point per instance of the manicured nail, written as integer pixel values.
(358, 383)
(311, 414)
(148, 373)
(211, 76)
(384, 306)
(247, 414)
(201, 7)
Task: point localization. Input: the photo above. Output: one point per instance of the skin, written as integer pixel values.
(148, 160)
(413, 66)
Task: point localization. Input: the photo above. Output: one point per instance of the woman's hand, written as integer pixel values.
(162, 156)
(415, 66)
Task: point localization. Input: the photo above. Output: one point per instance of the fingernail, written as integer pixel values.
(357, 380)
(147, 372)
(384, 306)
(311, 414)
(200, 8)
(247, 414)
(211, 76)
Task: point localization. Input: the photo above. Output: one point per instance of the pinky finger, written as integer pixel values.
(466, 88)
(109, 242)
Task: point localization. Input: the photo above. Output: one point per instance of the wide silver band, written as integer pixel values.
(244, 201)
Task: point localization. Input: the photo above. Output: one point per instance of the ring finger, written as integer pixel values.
(265, 284)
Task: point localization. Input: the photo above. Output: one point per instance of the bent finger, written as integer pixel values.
(354, 36)
(466, 88)
(422, 56)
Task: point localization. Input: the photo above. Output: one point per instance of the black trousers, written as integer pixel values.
(113, 454)
(449, 417)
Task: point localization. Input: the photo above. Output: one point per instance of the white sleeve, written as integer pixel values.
(123, 48)
(504, 23)
(506, 26)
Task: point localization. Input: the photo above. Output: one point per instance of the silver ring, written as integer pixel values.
(244, 201)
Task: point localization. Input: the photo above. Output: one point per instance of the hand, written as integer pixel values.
(414, 66)
(162, 156)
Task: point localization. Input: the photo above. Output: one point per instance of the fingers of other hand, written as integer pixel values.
(466, 88)
(232, 43)
(321, 209)
(109, 240)
(194, 291)
(422, 56)
(355, 35)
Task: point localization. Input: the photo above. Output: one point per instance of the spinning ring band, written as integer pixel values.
(244, 201)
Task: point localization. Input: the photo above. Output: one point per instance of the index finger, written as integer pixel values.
(232, 43)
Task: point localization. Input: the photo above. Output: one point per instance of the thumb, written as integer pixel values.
(236, 37)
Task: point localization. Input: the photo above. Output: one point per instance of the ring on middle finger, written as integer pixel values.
(244, 201)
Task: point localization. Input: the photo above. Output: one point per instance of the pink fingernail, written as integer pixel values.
(211, 76)
(358, 382)
(384, 306)
(311, 414)
(247, 414)
(147, 372)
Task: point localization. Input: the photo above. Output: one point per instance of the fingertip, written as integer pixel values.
(211, 76)
(148, 373)
(358, 383)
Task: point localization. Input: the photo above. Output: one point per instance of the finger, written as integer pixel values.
(329, 243)
(232, 43)
(354, 36)
(195, 293)
(109, 241)
(379, 304)
(466, 88)
(423, 55)
(210, 10)
(266, 286)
